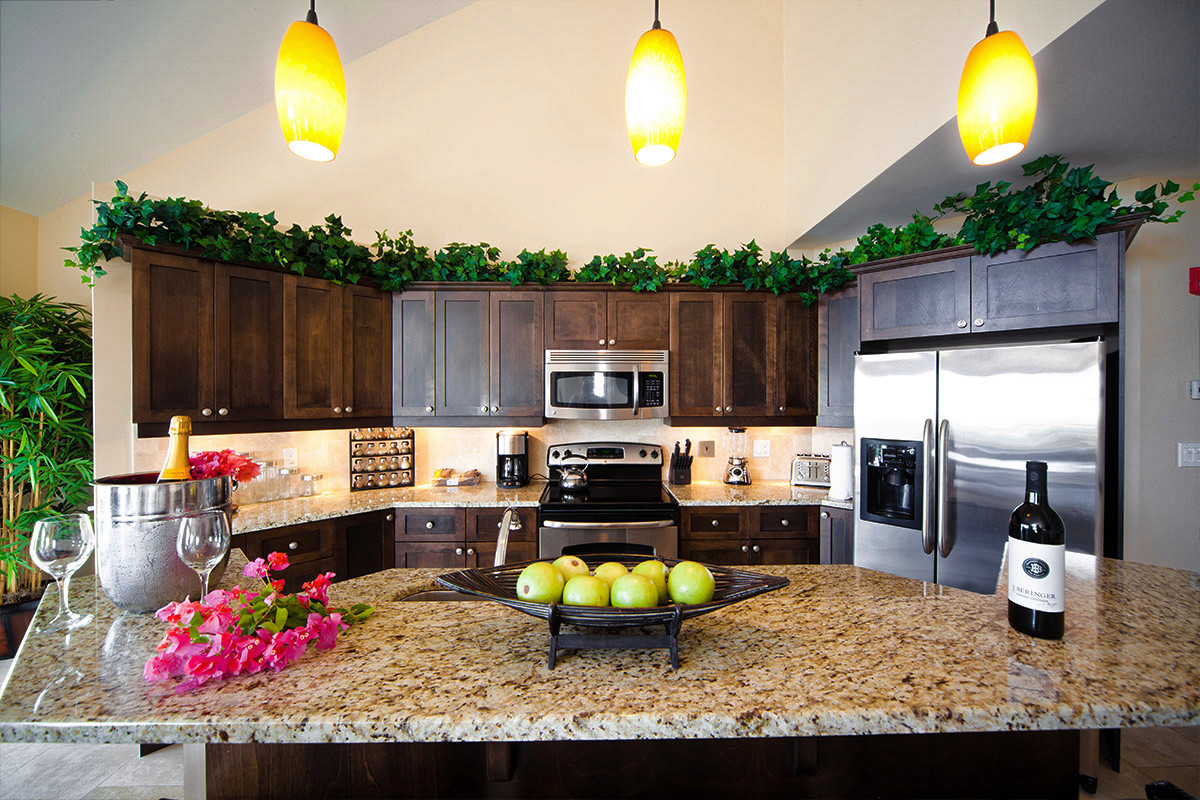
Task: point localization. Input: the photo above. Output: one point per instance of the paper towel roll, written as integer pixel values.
(841, 472)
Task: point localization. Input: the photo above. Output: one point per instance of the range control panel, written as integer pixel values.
(623, 453)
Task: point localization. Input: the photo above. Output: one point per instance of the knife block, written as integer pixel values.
(680, 476)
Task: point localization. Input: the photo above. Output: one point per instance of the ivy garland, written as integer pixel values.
(1063, 203)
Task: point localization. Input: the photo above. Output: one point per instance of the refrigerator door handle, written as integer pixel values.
(927, 493)
(943, 489)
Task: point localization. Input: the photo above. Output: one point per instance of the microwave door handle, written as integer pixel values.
(927, 495)
(636, 390)
(945, 543)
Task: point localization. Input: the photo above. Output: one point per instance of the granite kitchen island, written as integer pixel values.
(841, 652)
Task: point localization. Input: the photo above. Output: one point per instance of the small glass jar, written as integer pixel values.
(360, 481)
(406, 445)
(306, 486)
(405, 461)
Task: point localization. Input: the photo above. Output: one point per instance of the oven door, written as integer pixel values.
(662, 535)
(606, 384)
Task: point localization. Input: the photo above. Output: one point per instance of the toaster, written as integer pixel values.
(810, 469)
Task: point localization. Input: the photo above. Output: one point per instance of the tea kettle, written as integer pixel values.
(573, 479)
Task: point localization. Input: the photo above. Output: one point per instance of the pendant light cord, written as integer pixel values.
(312, 12)
(657, 24)
(991, 28)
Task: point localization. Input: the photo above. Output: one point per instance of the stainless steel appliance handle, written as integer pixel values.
(944, 543)
(927, 489)
(658, 523)
(636, 389)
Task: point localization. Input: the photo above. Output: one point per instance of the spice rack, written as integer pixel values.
(381, 458)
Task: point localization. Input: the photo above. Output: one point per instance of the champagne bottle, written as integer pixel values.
(1036, 561)
(176, 466)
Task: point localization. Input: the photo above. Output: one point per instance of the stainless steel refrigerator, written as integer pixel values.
(941, 441)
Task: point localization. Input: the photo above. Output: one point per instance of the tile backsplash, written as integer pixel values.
(327, 452)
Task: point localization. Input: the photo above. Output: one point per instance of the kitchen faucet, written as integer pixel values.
(510, 522)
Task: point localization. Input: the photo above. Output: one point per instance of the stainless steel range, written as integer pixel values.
(624, 500)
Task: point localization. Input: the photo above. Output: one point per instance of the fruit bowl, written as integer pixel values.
(500, 584)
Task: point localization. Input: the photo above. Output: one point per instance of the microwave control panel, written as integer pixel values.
(651, 389)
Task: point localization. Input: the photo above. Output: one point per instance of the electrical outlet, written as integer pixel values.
(762, 448)
(1189, 454)
(290, 458)
(706, 449)
(1195, 391)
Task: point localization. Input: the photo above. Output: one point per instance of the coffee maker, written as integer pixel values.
(512, 458)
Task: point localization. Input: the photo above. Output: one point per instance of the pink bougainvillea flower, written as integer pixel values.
(277, 561)
(318, 587)
(255, 569)
(158, 668)
(212, 464)
(325, 629)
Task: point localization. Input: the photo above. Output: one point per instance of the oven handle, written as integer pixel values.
(636, 390)
(658, 523)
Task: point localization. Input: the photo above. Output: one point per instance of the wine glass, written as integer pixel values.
(203, 541)
(59, 546)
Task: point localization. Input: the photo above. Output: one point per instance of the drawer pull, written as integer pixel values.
(745, 549)
(429, 525)
(428, 409)
(824, 515)
(470, 551)
(293, 545)
(715, 523)
(390, 517)
(756, 548)
(784, 522)
(515, 525)
(458, 551)
(783, 408)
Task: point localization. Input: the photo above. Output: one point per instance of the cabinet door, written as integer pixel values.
(774, 552)
(312, 549)
(576, 321)
(369, 540)
(920, 300)
(435, 555)
(366, 352)
(1052, 285)
(412, 354)
(431, 524)
(696, 354)
(795, 364)
(516, 354)
(837, 536)
(750, 346)
(247, 343)
(638, 321)
(172, 337)
(837, 342)
(461, 374)
(729, 552)
(312, 348)
(483, 554)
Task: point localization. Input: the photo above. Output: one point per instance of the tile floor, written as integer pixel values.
(104, 771)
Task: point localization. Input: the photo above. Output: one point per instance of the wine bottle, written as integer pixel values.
(1036, 561)
(176, 466)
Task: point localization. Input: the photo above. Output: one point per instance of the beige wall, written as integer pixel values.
(18, 252)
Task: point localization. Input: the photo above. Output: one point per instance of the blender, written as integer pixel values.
(737, 471)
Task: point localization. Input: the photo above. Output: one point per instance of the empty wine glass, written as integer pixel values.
(202, 543)
(59, 546)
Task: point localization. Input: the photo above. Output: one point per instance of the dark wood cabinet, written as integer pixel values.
(750, 535)
(837, 342)
(413, 318)
(461, 377)
(366, 352)
(796, 357)
(750, 346)
(207, 340)
(369, 542)
(697, 354)
(312, 548)
(925, 299)
(515, 368)
(638, 321)
(599, 320)
(837, 535)
(456, 538)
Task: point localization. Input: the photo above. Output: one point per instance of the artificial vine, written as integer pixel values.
(1063, 203)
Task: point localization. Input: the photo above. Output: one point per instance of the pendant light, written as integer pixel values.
(310, 90)
(997, 96)
(655, 96)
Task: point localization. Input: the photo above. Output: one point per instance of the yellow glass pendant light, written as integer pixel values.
(310, 90)
(655, 96)
(997, 97)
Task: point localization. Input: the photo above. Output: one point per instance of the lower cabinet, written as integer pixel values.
(457, 538)
(750, 535)
(837, 536)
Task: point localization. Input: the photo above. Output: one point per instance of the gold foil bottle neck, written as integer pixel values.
(181, 424)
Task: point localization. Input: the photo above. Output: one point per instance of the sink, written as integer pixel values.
(440, 596)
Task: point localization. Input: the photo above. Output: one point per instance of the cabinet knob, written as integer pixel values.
(728, 409)
(717, 409)
(714, 523)
(206, 412)
(784, 522)
(783, 408)
(428, 409)
(962, 323)
(470, 551)
(337, 409)
(483, 409)
(348, 409)
(458, 551)
(756, 548)
(495, 409)
(222, 411)
(292, 545)
(429, 525)
(824, 515)
(745, 549)
(612, 342)
(978, 323)
(390, 517)
(601, 342)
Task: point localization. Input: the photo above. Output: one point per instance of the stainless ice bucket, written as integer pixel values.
(137, 523)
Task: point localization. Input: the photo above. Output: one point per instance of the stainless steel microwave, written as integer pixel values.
(606, 384)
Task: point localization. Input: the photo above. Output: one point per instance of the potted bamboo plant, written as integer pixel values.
(45, 438)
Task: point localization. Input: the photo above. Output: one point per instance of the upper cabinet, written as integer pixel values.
(1053, 285)
(837, 342)
(600, 320)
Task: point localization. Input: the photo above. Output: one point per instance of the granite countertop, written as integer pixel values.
(840, 650)
(275, 514)
(759, 493)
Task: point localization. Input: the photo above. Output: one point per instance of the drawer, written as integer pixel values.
(787, 522)
(431, 524)
(299, 573)
(300, 543)
(707, 523)
(484, 526)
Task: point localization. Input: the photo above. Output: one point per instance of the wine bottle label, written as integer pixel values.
(1035, 574)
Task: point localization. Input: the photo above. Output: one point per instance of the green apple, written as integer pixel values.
(540, 582)
(656, 571)
(570, 566)
(609, 571)
(584, 590)
(690, 582)
(634, 591)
